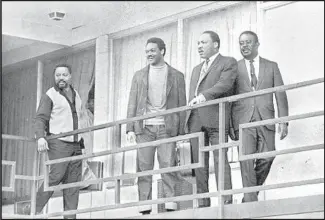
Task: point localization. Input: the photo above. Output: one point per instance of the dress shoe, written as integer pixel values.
(146, 212)
(27, 210)
(226, 202)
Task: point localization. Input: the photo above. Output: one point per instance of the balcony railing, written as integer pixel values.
(220, 192)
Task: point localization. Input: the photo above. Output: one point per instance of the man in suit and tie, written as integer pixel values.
(156, 88)
(256, 73)
(212, 79)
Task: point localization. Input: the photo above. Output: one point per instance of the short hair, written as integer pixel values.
(251, 33)
(159, 42)
(63, 65)
(214, 36)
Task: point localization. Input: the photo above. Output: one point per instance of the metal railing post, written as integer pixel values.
(221, 147)
(36, 162)
(222, 134)
(34, 182)
(118, 181)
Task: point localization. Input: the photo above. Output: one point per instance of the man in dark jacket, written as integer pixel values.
(156, 88)
(256, 73)
(212, 79)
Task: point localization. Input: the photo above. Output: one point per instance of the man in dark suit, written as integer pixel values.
(256, 73)
(156, 88)
(212, 79)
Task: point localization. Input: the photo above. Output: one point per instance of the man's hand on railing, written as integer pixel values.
(197, 100)
(130, 137)
(232, 134)
(181, 142)
(42, 145)
(283, 130)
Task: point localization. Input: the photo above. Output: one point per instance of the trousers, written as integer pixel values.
(67, 172)
(202, 174)
(256, 140)
(166, 154)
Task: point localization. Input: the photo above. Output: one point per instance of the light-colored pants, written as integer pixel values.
(166, 154)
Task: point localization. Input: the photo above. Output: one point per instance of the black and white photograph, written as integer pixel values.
(162, 109)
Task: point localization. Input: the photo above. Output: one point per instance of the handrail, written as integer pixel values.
(186, 108)
(16, 137)
(128, 148)
(176, 110)
(221, 192)
(198, 135)
(177, 198)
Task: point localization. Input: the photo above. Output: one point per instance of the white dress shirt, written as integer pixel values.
(256, 64)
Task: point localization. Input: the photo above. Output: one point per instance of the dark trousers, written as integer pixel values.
(166, 154)
(67, 172)
(256, 140)
(202, 174)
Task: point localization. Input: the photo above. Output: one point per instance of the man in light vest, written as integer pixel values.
(59, 112)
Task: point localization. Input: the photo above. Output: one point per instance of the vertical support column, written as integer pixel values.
(40, 70)
(222, 134)
(260, 15)
(114, 133)
(180, 46)
(36, 162)
(118, 182)
(101, 111)
(111, 107)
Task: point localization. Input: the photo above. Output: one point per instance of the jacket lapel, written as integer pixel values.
(212, 66)
(144, 77)
(243, 69)
(261, 73)
(169, 80)
(194, 80)
(197, 77)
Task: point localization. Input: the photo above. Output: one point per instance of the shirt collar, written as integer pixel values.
(256, 59)
(212, 58)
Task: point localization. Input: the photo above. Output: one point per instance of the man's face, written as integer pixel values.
(153, 53)
(62, 77)
(248, 46)
(206, 47)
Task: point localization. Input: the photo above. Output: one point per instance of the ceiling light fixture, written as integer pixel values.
(56, 15)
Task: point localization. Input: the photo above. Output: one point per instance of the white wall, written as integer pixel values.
(293, 36)
(135, 14)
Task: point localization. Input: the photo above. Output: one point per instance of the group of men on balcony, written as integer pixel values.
(159, 87)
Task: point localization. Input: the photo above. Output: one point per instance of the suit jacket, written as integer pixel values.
(269, 76)
(175, 97)
(217, 83)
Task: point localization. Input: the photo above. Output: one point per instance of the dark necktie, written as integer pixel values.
(253, 76)
(203, 73)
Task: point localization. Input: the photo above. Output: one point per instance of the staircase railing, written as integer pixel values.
(220, 191)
